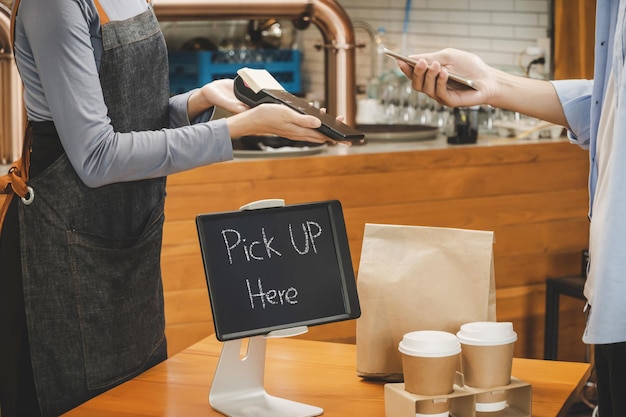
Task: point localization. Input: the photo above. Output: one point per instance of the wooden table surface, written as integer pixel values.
(322, 374)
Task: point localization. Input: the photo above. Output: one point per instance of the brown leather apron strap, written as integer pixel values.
(15, 180)
(14, 183)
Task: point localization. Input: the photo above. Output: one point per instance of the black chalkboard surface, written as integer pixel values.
(276, 268)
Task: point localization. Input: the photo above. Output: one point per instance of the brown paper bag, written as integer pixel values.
(418, 278)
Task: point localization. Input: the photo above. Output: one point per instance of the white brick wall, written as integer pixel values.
(496, 30)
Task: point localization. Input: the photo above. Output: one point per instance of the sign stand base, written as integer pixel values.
(238, 390)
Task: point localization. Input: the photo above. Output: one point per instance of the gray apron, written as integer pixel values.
(91, 257)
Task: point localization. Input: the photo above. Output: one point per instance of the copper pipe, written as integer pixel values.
(330, 18)
(5, 28)
(12, 113)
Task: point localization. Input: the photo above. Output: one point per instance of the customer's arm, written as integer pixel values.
(536, 98)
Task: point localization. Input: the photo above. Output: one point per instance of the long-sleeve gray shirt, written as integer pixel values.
(58, 49)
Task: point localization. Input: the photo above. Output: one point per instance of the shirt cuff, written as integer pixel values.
(575, 97)
(225, 143)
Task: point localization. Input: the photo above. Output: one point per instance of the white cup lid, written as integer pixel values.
(487, 333)
(429, 343)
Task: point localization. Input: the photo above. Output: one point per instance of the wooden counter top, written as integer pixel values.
(322, 374)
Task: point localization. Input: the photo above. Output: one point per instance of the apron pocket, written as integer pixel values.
(120, 301)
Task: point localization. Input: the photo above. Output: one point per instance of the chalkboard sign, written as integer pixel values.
(276, 268)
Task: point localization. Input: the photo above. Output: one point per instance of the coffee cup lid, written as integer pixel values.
(487, 333)
(429, 343)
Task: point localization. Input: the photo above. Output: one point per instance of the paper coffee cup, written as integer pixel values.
(430, 359)
(487, 353)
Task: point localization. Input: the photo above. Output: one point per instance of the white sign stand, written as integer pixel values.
(238, 384)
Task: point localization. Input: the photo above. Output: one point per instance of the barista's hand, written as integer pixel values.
(220, 93)
(279, 120)
(430, 76)
(340, 119)
(216, 93)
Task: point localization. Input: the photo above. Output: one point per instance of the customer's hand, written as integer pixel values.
(430, 76)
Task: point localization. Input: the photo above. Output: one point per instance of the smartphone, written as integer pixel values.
(453, 79)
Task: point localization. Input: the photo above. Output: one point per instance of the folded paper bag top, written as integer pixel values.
(487, 333)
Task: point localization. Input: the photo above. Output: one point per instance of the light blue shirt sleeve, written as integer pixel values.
(57, 61)
(575, 97)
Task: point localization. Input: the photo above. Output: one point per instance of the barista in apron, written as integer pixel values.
(89, 258)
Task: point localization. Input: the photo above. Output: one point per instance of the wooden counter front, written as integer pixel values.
(533, 194)
(321, 374)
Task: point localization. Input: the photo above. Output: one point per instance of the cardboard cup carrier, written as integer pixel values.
(436, 407)
(486, 360)
(430, 359)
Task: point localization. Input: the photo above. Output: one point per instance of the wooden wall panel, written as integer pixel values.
(574, 38)
(533, 196)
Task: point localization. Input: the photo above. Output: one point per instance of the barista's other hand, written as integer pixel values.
(220, 93)
(430, 76)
